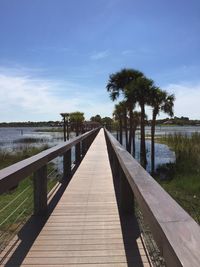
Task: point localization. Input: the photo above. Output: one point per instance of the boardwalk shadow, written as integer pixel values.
(29, 232)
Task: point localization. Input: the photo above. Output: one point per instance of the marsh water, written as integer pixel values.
(13, 138)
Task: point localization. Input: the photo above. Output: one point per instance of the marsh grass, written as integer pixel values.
(183, 181)
(8, 158)
(16, 206)
(52, 130)
(30, 140)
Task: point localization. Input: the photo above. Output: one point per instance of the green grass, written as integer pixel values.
(183, 182)
(60, 129)
(16, 206)
(29, 140)
(9, 158)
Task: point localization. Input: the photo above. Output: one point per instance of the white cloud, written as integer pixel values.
(24, 98)
(99, 55)
(187, 101)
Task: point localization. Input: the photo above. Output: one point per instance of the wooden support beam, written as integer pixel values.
(78, 153)
(67, 162)
(40, 191)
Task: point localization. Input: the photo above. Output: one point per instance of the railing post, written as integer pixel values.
(126, 194)
(84, 147)
(78, 153)
(40, 191)
(67, 162)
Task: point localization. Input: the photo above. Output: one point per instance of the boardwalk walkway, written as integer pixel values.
(85, 228)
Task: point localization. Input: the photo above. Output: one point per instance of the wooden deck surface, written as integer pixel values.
(85, 228)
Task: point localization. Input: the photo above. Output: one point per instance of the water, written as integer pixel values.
(10, 137)
(10, 140)
(18, 138)
(163, 154)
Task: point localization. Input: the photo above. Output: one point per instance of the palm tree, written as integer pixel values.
(160, 101)
(136, 121)
(65, 122)
(116, 85)
(124, 111)
(76, 120)
(120, 114)
(139, 91)
(117, 114)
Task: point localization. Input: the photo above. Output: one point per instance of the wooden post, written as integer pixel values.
(78, 153)
(67, 128)
(126, 195)
(64, 128)
(40, 191)
(84, 147)
(67, 162)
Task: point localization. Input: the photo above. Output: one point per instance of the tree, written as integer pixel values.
(65, 122)
(76, 120)
(117, 84)
(139, 91)
(96, 118)
(136, 121)
(160, 101)
(118, 115)
(107, 122)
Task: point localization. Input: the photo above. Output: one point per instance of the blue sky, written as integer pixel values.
(56, 55)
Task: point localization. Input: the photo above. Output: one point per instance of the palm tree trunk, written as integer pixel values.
(130, 131)
(134, 129)
(153, 124)
(126, 129)
(64, 128)
(77, 129)
(117, 135)
(143, 159)
(120, 131)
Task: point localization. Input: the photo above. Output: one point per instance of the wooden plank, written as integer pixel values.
(13, 174)
(85, 228)
(175, 232)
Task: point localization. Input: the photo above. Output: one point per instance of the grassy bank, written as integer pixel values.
(183, 176)
(17, 205)
(51, 130)
(8, 158)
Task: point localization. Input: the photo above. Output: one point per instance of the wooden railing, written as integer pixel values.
(37, 165)
(175, 232)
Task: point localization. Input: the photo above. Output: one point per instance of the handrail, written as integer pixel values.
(12, 175)
(175, 232)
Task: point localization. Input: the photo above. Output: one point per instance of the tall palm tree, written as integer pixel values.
(139, 91)
(160, 101)
(117, 85)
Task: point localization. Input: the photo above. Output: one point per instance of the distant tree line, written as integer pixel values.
(31, 124)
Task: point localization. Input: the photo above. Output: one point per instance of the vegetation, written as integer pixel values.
(17, 205)
(9, 158)
(176, 121)
(183, 177)
(160, 101)
(76, 121)
(136, 88)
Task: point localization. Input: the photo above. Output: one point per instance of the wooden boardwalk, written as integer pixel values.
(85, 228)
